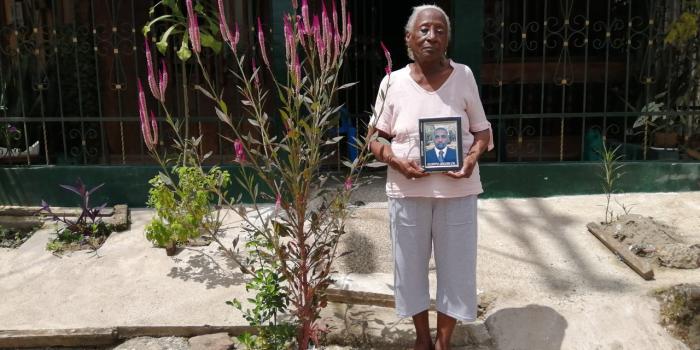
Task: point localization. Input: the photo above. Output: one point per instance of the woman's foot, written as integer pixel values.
(439, 346)
(423, 345)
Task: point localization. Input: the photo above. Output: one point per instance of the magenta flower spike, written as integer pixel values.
(278, 201)
(305, 16)
(163, 82)
(336, 46)
(334, 14)
(387, 55)
(288, 37)
(297, 72)
(240, 152)
(348, 184)
(154, 130)
(150, 71)
(320, 46)
(236, 37)
(257, 76)
(342, 18)
(348, 31)
(301, 31)
(193, 27)
(229, 38)
(261, 42)
(143, 117)
(326, 23)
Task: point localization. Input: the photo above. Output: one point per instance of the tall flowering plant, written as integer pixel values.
(299, 239)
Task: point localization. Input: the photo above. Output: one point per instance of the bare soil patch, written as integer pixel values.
(11, 237)
(680, 312)
(656, 242)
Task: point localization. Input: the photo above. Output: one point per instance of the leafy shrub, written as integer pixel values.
(183, 209)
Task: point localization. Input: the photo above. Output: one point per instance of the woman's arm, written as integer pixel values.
(383, 153)
(480, 145)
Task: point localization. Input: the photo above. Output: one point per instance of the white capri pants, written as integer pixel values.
(448, 226)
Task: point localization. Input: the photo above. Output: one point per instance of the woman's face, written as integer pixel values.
(428, 37)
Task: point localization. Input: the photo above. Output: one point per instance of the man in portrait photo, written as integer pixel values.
(441, 154)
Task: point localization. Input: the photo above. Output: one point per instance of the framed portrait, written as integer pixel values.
(441, 143)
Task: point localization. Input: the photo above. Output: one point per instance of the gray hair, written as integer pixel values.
(412, 22)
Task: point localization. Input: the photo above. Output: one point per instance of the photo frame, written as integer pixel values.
(440, 143)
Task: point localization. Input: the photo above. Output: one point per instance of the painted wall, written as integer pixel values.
(129, 184)
(467, 27)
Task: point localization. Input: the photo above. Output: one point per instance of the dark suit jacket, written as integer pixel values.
(450, 156)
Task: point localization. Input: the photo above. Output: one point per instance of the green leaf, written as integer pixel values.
(222, 115)
(204, 92)
(348, 85)
(165, 179)
(210, 42)
(333, 140)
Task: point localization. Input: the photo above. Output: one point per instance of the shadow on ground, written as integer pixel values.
(536, 222)
(527, 328)
(204, 268)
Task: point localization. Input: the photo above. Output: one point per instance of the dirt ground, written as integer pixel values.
(555, 285)
(658, 243)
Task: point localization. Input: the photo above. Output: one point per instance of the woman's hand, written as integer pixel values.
(409, 168)
(467, 168)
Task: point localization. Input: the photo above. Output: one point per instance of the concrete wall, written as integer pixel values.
(129, 184)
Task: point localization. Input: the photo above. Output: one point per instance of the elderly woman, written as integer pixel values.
(432, 211)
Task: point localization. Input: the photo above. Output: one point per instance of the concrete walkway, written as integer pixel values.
(556, 285)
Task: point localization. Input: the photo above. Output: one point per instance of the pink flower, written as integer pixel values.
(319, 41)
(327, 29)
(240, 152)
(257, 76)
(229, 38)
(278, 201)
(295, 5)
(193, 27)
(334, 13)
(163, 82)
(151, 71)
(148, 138)
(261, 42)
(387, 55)
(297, 72)
(348, 31)
(154, 130)
(342, 18)
(236, 37)
(348, 184)
(336, 46)
(301, 31)
(288, 37)
(305, 16)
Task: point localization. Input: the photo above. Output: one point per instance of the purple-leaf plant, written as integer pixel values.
(88, 217)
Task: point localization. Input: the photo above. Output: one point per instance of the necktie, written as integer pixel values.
(440, 154)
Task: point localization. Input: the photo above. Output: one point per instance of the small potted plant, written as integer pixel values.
(663, 130)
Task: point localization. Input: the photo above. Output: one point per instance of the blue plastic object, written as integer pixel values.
(347, 129)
